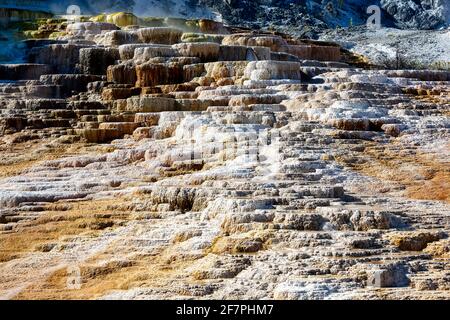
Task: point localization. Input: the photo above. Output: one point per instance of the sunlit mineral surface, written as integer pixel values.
(148, 158)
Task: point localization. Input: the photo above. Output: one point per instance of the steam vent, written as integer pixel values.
(170, 158)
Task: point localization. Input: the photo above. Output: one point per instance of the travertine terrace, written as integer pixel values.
(188, 159)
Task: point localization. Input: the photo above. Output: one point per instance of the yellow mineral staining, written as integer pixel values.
(14, 160)
(356, 60)
(201, 37)
(439, 95)
(59, 221)
(108, 272)
(120, 19)
(435, 188)
(424, 177)
(51, 28)
(414, 241)
(186, 235)
(210, 26)
(439, 249)
(250, 242)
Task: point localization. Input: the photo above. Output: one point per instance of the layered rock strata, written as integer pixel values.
(256, 166)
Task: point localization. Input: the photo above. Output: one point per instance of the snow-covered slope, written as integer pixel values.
(407, 14)
(423, 14)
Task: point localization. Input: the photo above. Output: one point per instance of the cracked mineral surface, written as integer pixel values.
(173, 159)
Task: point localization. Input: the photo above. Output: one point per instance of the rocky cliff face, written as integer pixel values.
(424, 14)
